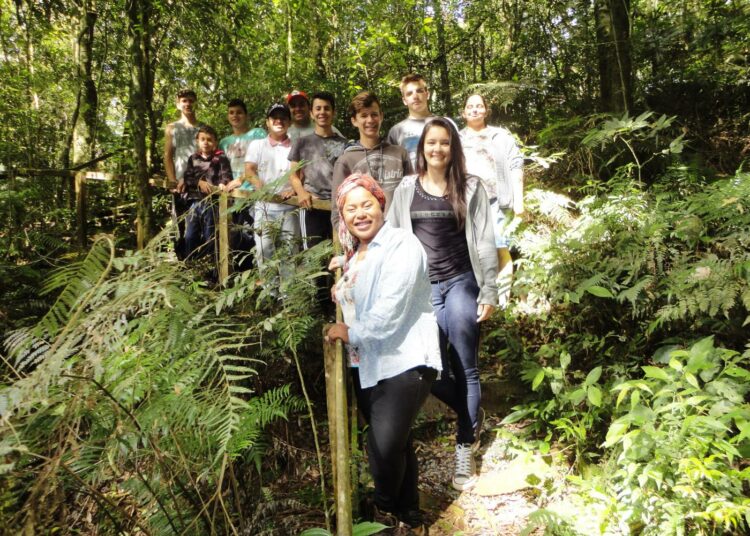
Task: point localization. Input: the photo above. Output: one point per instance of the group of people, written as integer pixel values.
(423, 217)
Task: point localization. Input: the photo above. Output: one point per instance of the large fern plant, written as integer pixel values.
(133, 397)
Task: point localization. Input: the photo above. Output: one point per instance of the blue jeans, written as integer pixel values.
(199, 229)
(455, 305)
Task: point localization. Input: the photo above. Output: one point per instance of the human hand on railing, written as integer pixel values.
(336, 263)
(305, 199)
(231, 185)
(333, 294)
(205, 187)
(286, 194)
(180, 188)
(338, 330)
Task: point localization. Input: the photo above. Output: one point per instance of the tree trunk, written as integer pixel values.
(139, 34)
(444, 92)
(150, 60)
(613, 48)
(289, 43)
(84, 129)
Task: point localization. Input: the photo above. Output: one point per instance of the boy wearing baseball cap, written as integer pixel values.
(267, 165)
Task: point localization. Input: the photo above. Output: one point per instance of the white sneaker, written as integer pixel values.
(465, 475)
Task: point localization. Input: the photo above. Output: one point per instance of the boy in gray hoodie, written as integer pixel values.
(384, 162)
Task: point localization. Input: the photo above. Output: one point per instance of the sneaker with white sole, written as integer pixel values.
(465, 475)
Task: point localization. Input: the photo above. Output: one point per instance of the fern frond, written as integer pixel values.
(262, 411)
(634, 292)
(75, 281)
(552, 522)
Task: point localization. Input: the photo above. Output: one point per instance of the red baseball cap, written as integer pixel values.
(296, 93)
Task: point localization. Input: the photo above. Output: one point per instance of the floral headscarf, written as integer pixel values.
(348, 241)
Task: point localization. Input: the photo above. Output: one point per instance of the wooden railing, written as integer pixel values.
(80, 178)
(223, 227)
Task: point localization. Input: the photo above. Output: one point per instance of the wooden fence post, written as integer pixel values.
(80, 189)
(222, 232)
(12, 216)
(335, 373)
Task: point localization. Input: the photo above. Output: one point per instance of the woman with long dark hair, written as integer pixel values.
(449, 212)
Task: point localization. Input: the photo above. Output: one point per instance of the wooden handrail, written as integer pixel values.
(62, 173)
(319, 204)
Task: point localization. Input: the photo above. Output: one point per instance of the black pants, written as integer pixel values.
(180, 206)
(316, 227)
(242, 238)
(390, 409)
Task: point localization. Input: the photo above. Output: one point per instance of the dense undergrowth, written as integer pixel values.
(138, 403)
(632, 332)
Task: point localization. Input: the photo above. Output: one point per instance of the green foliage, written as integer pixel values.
(679, 436)
(636, 134)
(605, 283)
(633, 261)
(551, 521)
(366, 528)
(572, 409)
(137, 388)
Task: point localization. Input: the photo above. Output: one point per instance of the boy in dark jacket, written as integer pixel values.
(207, 169)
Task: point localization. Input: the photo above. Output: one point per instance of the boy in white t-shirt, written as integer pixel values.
(267, 166)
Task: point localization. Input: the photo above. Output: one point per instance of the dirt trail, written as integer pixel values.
(498, 505)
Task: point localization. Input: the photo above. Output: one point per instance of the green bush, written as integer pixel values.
(678, 440)
(613, 285)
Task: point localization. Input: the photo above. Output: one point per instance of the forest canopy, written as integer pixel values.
(76, 75)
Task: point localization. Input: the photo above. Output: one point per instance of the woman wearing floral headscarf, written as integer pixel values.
(392, 335)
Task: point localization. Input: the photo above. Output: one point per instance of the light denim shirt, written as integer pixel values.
(395, 328)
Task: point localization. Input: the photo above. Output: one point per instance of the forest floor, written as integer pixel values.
(503, 498)
(514, 479)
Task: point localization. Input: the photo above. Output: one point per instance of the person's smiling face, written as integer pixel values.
(362, 214)
(322, 113)
(437, 147)
(475, 111)
(300, 109)
(237, 117)
(368, 121)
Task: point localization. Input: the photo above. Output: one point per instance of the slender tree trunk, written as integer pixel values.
(139, 34)
(23, 17)
(444, 92)
(84, 129)
(289, 49)
(483, 56)
(67, 186)
(615, 67)
(150, 59)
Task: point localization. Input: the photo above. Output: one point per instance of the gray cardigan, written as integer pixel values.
(480, 234)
